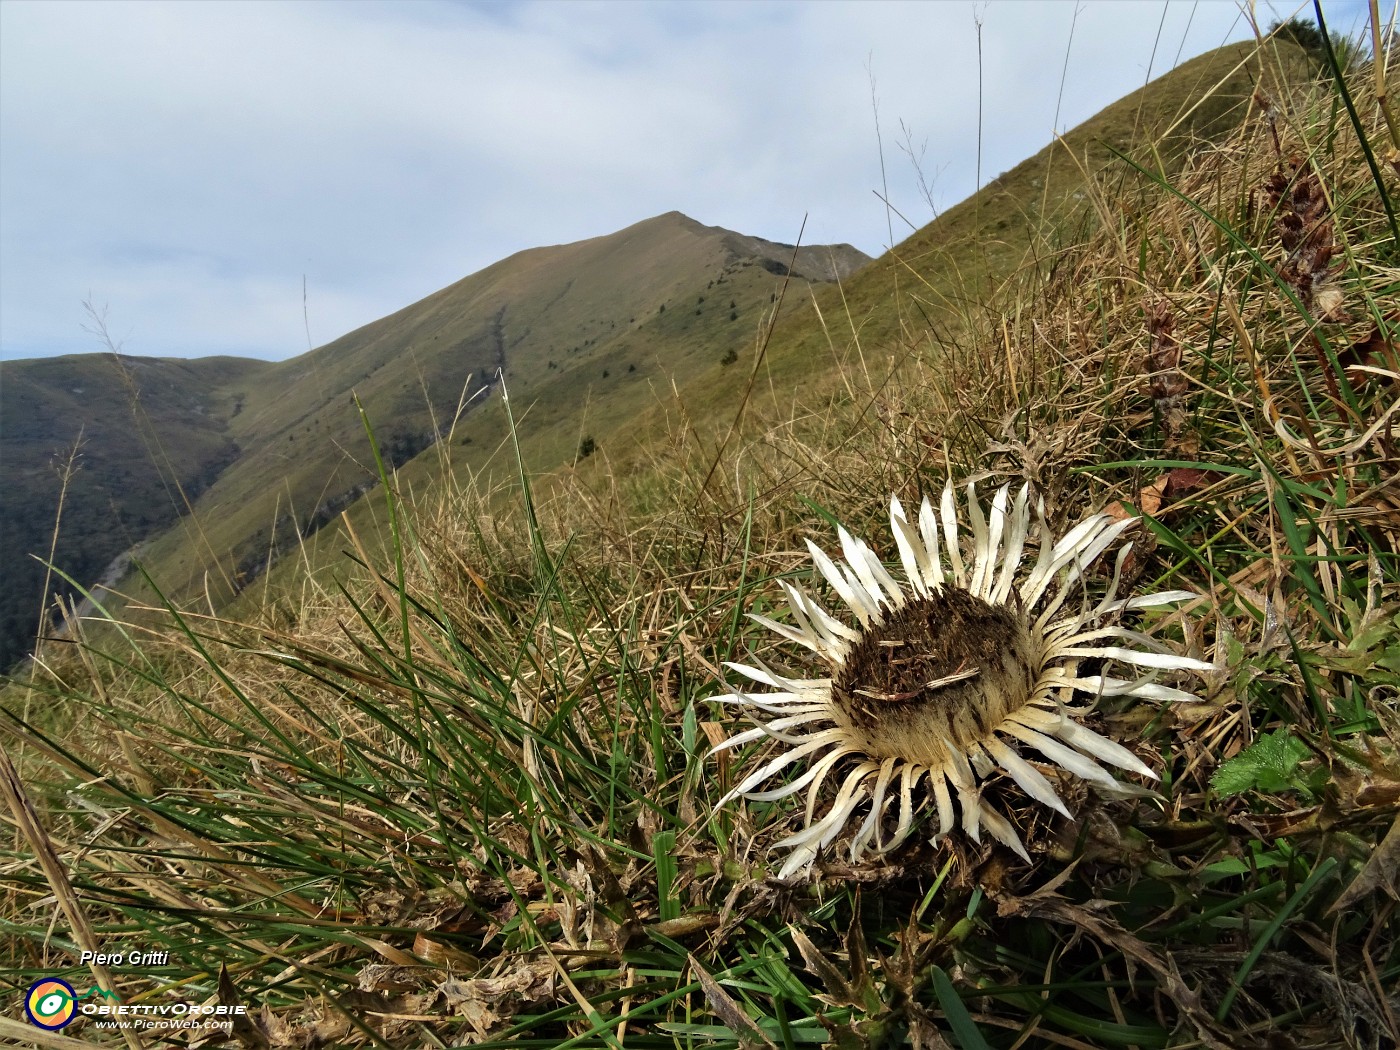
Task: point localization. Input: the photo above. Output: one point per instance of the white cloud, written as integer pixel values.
(188, 163)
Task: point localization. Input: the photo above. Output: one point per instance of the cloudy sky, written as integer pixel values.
(188, 165)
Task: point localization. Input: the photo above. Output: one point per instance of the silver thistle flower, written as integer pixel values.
(948, 677)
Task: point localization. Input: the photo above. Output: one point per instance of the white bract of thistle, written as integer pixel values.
(949, 677)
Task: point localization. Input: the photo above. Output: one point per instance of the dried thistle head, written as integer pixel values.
(1305, 228)
(955, 675)
(1166, 383)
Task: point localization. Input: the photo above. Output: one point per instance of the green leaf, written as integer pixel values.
(663, 847)
(965, 1029)
(689, 730)
(1269, 764)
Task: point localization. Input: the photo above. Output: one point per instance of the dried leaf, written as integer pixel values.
(486, 1002)
(730, 1013)
(1149, 502)
(443, 955)
(1108, 932)
(380, 977)
(1382, 872)
(280, 1033)
(1181, 481)
(248, 1033)
(685, 925)
(838, 990)
(717, 733)
(1362, 351)
(1158, 497)
(460, 998)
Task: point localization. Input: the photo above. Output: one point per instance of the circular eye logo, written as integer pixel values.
(51, 1003)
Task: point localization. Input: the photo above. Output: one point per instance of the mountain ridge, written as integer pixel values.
(288, 435)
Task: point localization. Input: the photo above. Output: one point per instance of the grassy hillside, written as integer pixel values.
(264, 454)
(599, 323)
(134, 437)
(472, 797)
(917, 300)
(944, 277)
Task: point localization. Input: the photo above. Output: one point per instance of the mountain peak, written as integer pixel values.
(816, 262)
